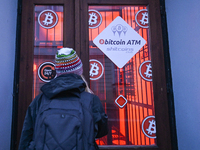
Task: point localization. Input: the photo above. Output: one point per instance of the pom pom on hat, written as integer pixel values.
(67, 61)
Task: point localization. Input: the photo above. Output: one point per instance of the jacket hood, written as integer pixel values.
(70, 83)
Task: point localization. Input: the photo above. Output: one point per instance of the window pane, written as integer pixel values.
(121, 73)
(48, 38)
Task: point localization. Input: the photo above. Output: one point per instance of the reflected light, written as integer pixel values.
(34, 67)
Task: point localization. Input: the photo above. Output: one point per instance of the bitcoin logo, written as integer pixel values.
(148, 72)
(96, 69)
(92, 19)
(48, 19)
(144, 19)
(95, 19)
(152, 127)
(101, 41)
(149, 126)
(141, 18)
(145, 70)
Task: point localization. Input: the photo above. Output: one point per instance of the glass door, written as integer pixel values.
(121, 72)
(127, 71)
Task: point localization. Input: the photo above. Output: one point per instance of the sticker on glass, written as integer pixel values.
(96, 69)
(145, 70)
(119, 42)
(149, 127)
(141, 18)
(121, 101)
(95, 19)
(48, 19)
(46, 71)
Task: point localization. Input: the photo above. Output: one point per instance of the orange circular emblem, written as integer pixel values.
(95, 19)
(96, 69)
(145, 70)
(149, 127)
(141, 18)
(48, 19)
(46, 71)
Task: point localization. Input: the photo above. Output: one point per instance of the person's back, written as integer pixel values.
(64, 116)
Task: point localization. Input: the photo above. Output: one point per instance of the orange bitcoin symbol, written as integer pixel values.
(95, 19)
(96, 69)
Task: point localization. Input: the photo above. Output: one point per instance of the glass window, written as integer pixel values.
(48, 38)
(121, 73)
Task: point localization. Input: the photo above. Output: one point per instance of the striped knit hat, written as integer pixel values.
(67, 61)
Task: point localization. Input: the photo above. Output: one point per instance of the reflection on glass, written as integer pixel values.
(126, 93)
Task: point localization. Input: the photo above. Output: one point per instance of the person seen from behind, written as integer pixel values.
(66, 115)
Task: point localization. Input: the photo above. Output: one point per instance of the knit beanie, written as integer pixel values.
(67, 61)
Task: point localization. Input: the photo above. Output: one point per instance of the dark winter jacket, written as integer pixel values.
(67, 85)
